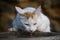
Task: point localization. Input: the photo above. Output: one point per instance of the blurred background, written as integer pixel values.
(50, 8)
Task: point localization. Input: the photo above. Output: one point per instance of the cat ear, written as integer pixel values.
(38, 11)
(19, 10)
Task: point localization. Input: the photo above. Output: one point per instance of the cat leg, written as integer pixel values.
(44, 27)
(12, 29)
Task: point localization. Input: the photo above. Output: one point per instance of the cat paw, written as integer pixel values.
(12, 29)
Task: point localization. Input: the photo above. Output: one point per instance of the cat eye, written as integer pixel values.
(27, 24)
(35, 23)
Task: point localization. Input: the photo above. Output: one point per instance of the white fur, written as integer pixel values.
(43, 22)
(12, 29)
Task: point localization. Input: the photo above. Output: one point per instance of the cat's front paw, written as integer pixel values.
(12, 29)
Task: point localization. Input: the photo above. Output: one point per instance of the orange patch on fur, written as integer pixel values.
(27, 15)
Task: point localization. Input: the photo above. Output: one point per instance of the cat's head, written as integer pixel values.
(29, 17)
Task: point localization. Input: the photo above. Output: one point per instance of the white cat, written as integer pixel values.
(31, 19)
